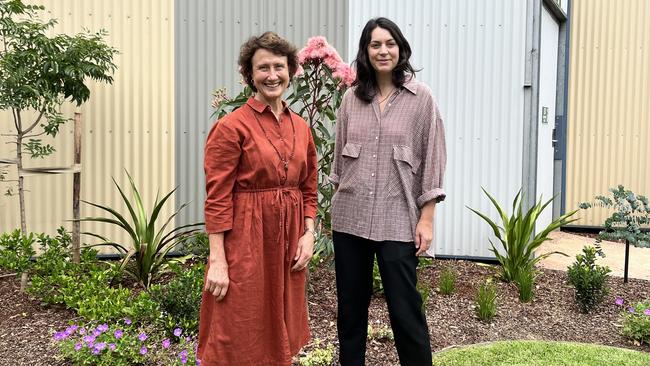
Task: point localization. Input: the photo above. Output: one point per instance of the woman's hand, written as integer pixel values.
(423, 236)
(217, 281)
(305, 251)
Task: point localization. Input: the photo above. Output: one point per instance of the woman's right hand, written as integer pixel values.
(217, 281)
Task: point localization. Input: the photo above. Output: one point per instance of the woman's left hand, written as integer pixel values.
(305, 251)
(423, 235)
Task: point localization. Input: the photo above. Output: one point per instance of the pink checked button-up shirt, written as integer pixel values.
(387, 165)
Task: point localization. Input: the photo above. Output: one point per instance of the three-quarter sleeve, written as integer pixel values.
(222, 153)
(340, 139)
(435, 158)
(309, 187)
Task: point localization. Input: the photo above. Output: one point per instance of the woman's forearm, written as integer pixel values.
(217, 250)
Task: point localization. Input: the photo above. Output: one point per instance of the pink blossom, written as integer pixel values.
(346, 74)
(299, 70)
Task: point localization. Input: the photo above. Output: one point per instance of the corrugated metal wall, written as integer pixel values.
(128, 125)
(472, 55)
(609, 89)
(208, 37)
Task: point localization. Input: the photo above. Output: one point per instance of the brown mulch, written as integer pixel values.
(26, 326)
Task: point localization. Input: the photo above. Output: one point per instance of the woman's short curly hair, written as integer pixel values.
(269, 41)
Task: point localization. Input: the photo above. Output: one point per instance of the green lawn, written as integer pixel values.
(528, 353)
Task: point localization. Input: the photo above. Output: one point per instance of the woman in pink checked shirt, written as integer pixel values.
(388, 168)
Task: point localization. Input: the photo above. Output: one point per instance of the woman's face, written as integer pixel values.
(383, 51)
(270, 75)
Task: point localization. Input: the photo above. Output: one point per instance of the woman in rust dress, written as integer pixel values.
(260, 167)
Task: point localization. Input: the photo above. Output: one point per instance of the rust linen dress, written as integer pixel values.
(260, 207)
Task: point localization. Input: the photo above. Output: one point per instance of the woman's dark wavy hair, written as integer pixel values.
(366, 83)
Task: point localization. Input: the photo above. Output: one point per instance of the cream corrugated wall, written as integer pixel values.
(128, 125)
(609, 90)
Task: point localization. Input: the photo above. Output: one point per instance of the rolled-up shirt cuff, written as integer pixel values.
(333, 179)
(437, 194)
(309, 211)
(215, 227)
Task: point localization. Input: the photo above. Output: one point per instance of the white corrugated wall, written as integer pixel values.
(472, 55)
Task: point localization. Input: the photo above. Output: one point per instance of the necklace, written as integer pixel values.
(387, 96)
(285, 160)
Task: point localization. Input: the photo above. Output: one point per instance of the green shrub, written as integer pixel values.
(92, 297)
(516, 235)
(377, 285)
(198, 245)
(318, 356)
(425, 291)
(53, 268)
(447, 284)
(636, 322)
(148, 245)
(180, 299)
(632, 212)
(525, 283)
(486, 301)
(588, 279)
(16, 251)
(381, 334)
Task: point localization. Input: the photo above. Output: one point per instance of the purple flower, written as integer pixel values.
(70, 330)
(127, 321)
(646, 312)
(619, 301)
(198, 362)
(165, 343)
(178, 332)
(142, 337)
(143, 350)
(188, 339)
(102, 328)
(118, 334)
(96, 333)
(59, 336)
(183, 356)
(100, 346)
(631, 310)
(89, 339)
(112, 346)
(78, 346)
(82, 331)
(95, 351)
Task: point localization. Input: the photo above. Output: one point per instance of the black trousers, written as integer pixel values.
(354, 259)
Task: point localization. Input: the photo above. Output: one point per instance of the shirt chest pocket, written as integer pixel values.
(403, 171)
(350, 173)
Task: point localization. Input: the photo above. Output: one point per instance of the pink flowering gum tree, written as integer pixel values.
(315, 94)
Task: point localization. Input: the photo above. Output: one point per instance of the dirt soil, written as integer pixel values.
(26, 326)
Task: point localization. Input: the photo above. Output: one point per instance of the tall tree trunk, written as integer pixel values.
(76, 191)
(19, 165)
(21, 187)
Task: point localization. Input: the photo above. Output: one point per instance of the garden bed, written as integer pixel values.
(26, 327)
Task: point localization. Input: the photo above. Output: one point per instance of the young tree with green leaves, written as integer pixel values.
(38, 73)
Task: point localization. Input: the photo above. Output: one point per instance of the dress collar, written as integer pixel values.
(260, 107)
